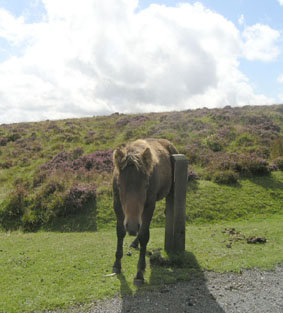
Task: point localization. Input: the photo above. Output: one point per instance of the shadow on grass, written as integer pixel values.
(85, 222)
(268, 182)
(193, 185)
(176, 285)
(233, 185)
(9, 223)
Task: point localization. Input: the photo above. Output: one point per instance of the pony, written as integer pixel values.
(142, 175)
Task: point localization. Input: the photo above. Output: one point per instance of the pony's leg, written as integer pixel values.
(121, 233)
(143, 237)
(120, 229)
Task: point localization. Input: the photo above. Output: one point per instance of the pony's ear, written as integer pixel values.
(146, 157)
(119, 158)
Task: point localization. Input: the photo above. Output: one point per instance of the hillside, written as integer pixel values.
(55, 169)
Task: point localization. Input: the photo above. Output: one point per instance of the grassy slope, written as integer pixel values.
(39, 142)
(251, 197)
(195, 133)
(47, 270)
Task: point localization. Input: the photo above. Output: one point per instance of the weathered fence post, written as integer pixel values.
(176, 206)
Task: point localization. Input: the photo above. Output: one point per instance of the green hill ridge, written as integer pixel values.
(57, 174)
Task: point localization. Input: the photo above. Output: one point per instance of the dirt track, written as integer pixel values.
(253, 291)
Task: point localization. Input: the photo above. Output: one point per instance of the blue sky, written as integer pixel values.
(255, 11)
(69, 58)
(263, 74)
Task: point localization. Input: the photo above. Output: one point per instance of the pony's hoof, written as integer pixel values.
(138, 282)
(116, 270)
(134, 245)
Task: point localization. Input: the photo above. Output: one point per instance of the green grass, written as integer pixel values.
(208, 201)
(48, 270)
(211, 202)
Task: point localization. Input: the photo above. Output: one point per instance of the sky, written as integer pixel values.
(70, 58)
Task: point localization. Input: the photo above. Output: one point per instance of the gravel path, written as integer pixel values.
(252, 291)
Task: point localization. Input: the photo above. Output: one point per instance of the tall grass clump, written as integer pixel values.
(62, 187)
(278, 163)
(227, 177)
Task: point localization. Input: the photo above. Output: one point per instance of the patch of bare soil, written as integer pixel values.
(252, 291)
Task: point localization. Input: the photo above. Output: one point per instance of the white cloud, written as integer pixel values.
(14, 29)
(241, 20)
(260, 42)
(280, 2)
(97, 57)
(280, 79)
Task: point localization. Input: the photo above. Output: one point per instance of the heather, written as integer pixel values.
(62, 187)
(100, 161)
(54, 171)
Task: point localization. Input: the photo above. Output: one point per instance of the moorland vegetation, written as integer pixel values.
(57, 174)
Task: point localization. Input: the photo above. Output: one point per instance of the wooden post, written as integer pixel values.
(176, 206)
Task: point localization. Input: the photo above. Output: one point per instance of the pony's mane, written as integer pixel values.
(138, 155)
(134, 159)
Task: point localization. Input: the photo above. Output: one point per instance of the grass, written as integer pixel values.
(208, 201)
(47, 270)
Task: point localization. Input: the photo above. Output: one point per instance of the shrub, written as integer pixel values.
(245, 140)
(214, 143)
(78, 152)
(122, 122)
(54, 200)
(244, 164)
(192, 175)
(195, 153)
(220, 161)
(16, 204)
(100, 161)
(78, 199)
(6, 164)
(3, 141)
(135, 120)
(277, 148)
(39, 178)
(249, 165)
(278, 163)
(227, 177)
(24, 162)
(30, 220)
(51, 187)
(89, 137)
(14, 137)
(128, 134)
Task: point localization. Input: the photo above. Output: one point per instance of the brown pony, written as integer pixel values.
(142, 175)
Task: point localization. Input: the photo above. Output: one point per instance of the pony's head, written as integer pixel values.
(133, 180)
